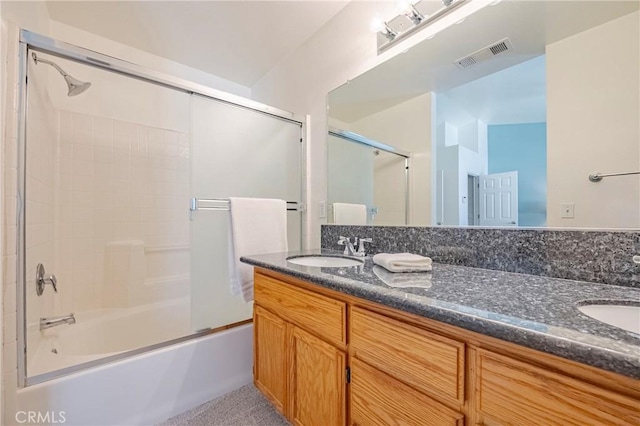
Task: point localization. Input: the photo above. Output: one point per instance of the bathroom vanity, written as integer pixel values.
(337, 346)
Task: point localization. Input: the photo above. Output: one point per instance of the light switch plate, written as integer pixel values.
(322, 209)
(566, 210)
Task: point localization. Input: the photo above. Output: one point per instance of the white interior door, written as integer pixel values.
(499, 199)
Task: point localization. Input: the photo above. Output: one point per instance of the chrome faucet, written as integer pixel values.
(361, 246)
(349, 249)
(55, 321)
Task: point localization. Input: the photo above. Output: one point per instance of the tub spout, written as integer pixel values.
(52, 322)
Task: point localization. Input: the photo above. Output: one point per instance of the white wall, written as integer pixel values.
(105, 46)
(461, 148)
(592, 79)
(407, 126)
(341, 50)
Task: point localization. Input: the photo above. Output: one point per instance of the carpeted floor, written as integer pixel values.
(243, 407)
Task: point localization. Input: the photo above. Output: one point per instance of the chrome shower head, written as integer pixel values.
(75, 86)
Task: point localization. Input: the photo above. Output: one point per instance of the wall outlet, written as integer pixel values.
(566, 210)
(322, 209)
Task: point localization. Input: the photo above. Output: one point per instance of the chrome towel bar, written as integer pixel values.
(223, 204)
(597, 176)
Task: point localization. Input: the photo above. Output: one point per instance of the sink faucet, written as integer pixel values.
(55, 321)
(349, 249)
(361, 246)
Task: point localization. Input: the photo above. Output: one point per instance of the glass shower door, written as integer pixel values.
(236, 152)
(106, 180)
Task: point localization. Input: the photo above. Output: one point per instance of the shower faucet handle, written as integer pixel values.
(42, 280)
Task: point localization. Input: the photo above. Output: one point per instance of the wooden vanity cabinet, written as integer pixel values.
(408, 370)
(300, 352)
(270, 362)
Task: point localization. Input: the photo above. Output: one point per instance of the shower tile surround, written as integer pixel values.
(123, 187)
(594, 256)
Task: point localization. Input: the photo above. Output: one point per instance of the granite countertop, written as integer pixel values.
(533, 311)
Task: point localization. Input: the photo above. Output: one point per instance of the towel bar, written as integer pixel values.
(597, 176)
(223, 204)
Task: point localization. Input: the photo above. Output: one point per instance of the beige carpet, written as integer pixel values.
(243, 407)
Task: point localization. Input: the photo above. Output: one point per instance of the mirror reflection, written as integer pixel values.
(503, 117)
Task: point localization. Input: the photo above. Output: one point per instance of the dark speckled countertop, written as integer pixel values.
(533, 311)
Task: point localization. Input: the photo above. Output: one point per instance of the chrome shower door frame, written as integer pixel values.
(39, 43)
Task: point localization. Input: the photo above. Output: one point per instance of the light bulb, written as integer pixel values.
(377, 24)
(403, 6)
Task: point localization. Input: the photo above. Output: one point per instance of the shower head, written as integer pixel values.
(75, 86)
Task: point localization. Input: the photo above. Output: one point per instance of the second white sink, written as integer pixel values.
(324, 261)
(622, 316)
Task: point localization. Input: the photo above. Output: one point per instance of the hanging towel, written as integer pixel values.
(258, 226)
(408, 280)
(349, 214)
(403, 262)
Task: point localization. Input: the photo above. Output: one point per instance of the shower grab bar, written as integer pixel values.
(597, 176)
(223, 204)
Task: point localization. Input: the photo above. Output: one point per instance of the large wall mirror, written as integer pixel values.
(498, 120)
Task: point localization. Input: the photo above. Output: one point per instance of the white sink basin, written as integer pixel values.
(324, 261)
(626, 317)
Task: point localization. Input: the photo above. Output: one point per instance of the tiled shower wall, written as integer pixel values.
(122, 220)
(42, 134)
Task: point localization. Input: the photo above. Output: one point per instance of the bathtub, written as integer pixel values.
(141, 389)
(107, 332)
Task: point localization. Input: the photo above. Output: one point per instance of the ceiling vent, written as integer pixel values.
(484, 54)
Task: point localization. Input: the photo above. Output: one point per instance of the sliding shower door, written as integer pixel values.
(112, 261)
(106, 189)
(236, 152)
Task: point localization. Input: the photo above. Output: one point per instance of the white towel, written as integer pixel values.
(349, 214)
(258, 226)
(407, 280)
(403, 262)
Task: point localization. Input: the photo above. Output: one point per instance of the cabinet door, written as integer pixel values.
(270, 349)
(380, 400)
(317, 386)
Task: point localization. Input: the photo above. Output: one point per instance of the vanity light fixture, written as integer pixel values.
(407, 9)
(411, 18)
(380, 26)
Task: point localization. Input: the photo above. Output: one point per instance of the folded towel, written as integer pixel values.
(403, 262)
(406, 280)
(258, 226)
(349, 214)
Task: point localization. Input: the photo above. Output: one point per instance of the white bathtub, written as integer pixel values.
(106, 332)
(141, 389)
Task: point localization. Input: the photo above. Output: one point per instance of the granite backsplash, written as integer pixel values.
(595, 256)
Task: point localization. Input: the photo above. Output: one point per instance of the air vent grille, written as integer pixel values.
(466, 62)
(484, 54)
(496, 49)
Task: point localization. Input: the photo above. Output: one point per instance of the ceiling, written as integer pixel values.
(429, 66)
(513, 95)
(236, 40)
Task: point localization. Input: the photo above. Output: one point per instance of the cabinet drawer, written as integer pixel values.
(313, 312)
(378, 399)
(424, 360)
(513, 392)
